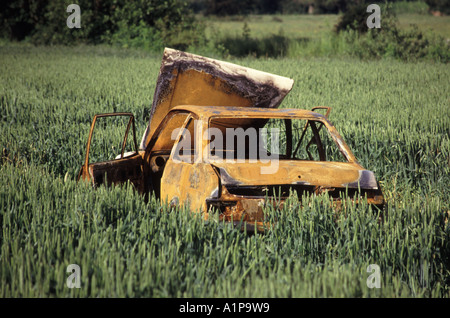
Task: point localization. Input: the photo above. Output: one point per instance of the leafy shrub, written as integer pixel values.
(274, 45)
(354, 18)
(136, 36)
(389, 40)
(137, 23)
(18, 18)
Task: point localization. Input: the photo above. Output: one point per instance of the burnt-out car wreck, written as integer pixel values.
(217, 140)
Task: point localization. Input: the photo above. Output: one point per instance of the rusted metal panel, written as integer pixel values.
(335, 174)
(187, 184)
(189, 79)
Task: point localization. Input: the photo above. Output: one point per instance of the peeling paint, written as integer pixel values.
(189, 79)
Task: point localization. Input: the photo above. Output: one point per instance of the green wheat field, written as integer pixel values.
(394, 115)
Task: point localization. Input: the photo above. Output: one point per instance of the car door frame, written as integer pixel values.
(85, 169)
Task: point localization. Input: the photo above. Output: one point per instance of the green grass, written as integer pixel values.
(314, 26)
(393, 114)
(293, 26)
(313, 35)
(427, 23)
(417, 7)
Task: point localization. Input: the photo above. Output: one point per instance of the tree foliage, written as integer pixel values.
(44, 21)
(243, 7)
(354, 18)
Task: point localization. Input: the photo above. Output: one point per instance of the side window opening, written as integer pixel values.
(312, 141)
(164, 141)
(112, 139)
(284, 138)
(185, 148)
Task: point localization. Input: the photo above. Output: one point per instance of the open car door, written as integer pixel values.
(126, 166)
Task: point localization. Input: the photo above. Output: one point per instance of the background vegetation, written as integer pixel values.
(389, 93)
(261, 28)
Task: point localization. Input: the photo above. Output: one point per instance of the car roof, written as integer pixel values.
(234, 111)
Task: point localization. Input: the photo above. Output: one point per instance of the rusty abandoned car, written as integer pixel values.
(217, 140)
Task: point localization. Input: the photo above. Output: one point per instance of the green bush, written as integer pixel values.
(162, 23)
(411, 44)
(389, 40)
(148, 24)
(274, 45)
(136, 36)
(354, 18)
(18, 18)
